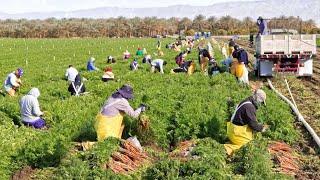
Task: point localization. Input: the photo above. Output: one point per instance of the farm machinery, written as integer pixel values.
(285, 52)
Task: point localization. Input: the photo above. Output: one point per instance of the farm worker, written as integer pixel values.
(244, 122)
(76, 88)
(224, 50)
(91, 66)
(251, 41)
(186, 67)
(203, 53)
(214, 69)
(145, 51)
(241, 55)
(109, 120)
(107, 75)
(210, 49)
(204, 60)
(180, 58)
(71, 74)
(30, 110)
(263, 26)
(111, 59)
(126, 55)
(134, 65)
(160, 53)
(158, 44)
(13, 82)
(147, 59)
(242, 73)
(231, 42)
(139, 52)
(158, 64)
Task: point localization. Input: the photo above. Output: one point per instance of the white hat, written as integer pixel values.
(260, 96)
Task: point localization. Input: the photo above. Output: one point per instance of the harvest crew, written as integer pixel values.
(244, 122)
(158, 64)
(13, 82)
(109, 120)
(30, 110)
(71, 73)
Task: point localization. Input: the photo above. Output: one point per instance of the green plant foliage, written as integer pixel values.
(181, 108)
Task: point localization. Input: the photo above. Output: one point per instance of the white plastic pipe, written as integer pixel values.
(300, 117)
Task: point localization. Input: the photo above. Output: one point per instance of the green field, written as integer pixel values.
(181, 108)
(318, 42)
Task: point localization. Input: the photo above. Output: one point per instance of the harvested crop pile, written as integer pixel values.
(183, 150)
(282, 155)
(127, 159)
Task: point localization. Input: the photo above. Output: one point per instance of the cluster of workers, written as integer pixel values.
(109, 121)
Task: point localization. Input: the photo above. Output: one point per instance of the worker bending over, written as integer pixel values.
(158, 64)
(13, 82)
(109, 120)
(30, 110)
(244, 122)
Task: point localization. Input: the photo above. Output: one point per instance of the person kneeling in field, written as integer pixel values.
(239, 69)
(126, 55)
(13, 82)
(158, 64)
(186, 67)
(71, 74)
(108, 75)
(77, 87)
(30, 110)
(111, 59)
(134, 65)
(139, 52)
(147, 59)
(109, 122)
(244, 122)
(214, 69)
(90, 65)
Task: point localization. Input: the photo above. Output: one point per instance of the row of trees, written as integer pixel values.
(141, 27)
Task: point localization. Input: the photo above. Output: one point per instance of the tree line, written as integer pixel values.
(143, 27)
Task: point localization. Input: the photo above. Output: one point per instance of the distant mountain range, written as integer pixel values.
(306, 9)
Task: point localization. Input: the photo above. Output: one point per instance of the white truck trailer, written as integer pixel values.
(285, 53)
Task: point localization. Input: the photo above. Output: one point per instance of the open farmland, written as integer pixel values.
(181, 108)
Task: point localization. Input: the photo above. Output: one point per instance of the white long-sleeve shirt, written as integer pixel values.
(11, 81)
(71, 74)
(113, 106)
(158, 63)
(29, 106)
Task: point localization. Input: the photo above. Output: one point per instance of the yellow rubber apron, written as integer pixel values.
(238, 135)
(106, 126)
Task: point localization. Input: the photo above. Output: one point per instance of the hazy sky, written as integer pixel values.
(18, 6)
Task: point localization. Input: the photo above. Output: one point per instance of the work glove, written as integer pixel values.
(143, 107)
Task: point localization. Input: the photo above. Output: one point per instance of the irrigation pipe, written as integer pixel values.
(296, 111)
(294, 102)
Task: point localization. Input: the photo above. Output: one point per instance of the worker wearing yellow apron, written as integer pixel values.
(109, 120)
(244, 122)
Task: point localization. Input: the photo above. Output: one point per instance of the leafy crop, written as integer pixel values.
(181, 108)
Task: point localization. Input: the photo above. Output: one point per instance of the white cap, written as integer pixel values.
(260, 96)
